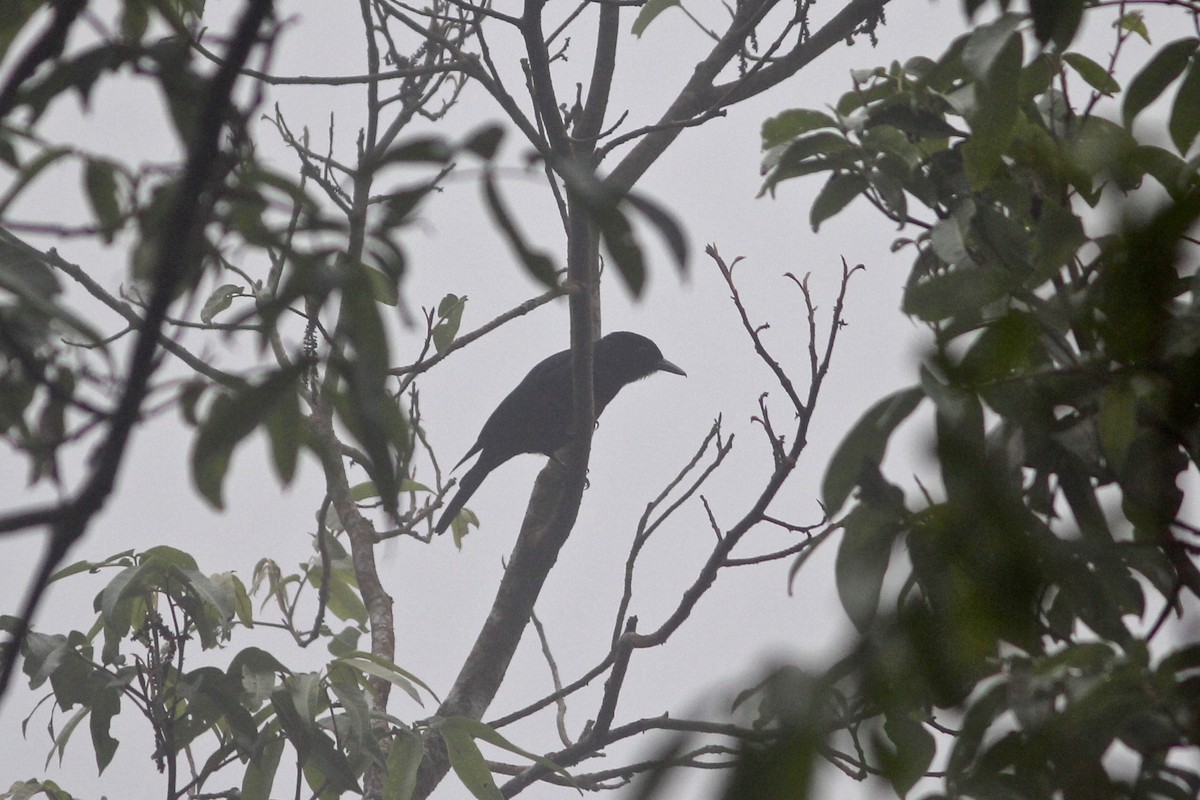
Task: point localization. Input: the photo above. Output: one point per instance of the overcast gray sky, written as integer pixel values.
(709, 179)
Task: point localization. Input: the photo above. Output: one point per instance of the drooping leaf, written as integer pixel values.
(836, 194)
(1184, 123)
(865, 445)
(100, 184)
(650, 10)
(468, 763)
(230, 420)
(1166, 65)
(862, 561)
(536, 262)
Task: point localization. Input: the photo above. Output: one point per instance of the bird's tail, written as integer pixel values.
(466, 487)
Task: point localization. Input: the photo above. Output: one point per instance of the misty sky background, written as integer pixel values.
(709, 179)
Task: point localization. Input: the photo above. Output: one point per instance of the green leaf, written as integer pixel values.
(997, 99)
(865, 445)
(450, 311)
(1184, 124)
(1007, 347)
(537, 262)
(100, 183)
(650, 10)
(915, 749)
(1096, 76)
(1166, 65)
(959, 414)
(837, 193)
(381, 667)
(219, 300)
(1056, 20)
(260, 772)
(487, 733)
(105, 702)
(1135, 22)
(420, 149)
(363, 491)
(404, 761)
(988, 46)
(953, 292)
(485, 142)
(231, 419)
(14, 15)
(862, 561)
(121, 559)
(287, 429)
(787, 125)
(618, 238)
(668, 227)
(1171, 171)
(383, 288)
(345, 603)
(468, 763)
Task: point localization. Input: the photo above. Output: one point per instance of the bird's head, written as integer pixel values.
(631, 356)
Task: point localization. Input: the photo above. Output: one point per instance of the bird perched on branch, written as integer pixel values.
(535, 417)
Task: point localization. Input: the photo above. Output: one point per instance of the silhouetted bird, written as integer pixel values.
(536, 416)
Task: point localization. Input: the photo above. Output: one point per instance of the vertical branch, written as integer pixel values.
(591, 121)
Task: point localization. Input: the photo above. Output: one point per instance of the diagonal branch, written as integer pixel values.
(700, 96)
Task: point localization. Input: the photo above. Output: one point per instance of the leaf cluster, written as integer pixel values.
(1041, 564)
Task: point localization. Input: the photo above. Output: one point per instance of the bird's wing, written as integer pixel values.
(536, 415)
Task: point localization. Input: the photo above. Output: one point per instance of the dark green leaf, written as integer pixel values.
(539, 265)
(914, 751)
(997, 98)
(1184, 124)
(420, 149)
(1096, 76)
(287, 428)
(233, 417)
(1056, 20)
(484, 732)
(485, 141)
(835, 195)
(1171, 171)
(1166, 65)
(667, 226)
(865, 445)
(949, 293)
(862, 561)
(100, 183)
(383, 288)
(787, 125)
(986, 48)
(105, 702)
(618, 238)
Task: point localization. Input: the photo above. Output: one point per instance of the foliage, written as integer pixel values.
(1028, 650)
(300, 272)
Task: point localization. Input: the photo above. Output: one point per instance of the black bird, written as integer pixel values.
(536, 416)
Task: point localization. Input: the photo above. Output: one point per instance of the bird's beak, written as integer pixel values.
(666, 366)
